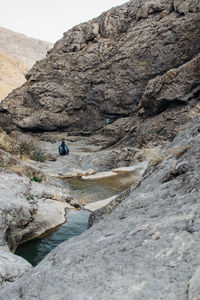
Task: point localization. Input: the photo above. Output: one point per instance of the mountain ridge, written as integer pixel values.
(21, 47)
(12, 74)
(17, 54)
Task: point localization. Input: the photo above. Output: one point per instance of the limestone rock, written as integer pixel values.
(27, 211)
(16, 210)
(98, 204)
(99, 175)
(106, 209)
(137, 168)
(12, 267)
(101, 68)
(50, 192)
(194, 286)
(50, 214)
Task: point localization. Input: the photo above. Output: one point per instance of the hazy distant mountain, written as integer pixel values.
(24, 49)
(11, 74)
(17, 55)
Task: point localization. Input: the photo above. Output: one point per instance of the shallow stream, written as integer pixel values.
(99, 189)
(85, 192)
(34, 251)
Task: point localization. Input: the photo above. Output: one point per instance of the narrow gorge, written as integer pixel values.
(123, 91)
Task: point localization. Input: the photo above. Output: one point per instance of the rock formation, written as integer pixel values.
(104, 67)
(28, 209)
(24, 212)
(12, 267)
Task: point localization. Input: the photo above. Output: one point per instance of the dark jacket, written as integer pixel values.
(63, 149)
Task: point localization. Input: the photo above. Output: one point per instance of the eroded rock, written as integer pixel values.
(100, 69)
(27, 211)
(176, 87)
(183, 7)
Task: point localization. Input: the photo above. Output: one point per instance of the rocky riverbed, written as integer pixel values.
(145, 247)
(33, 202)
(139, 66)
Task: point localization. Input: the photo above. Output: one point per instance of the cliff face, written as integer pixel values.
(22, 48)
(103, 68)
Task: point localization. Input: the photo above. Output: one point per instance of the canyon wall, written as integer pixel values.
(101, 69)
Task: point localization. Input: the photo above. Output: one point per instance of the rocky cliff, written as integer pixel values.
(120, 64)
(22, 48)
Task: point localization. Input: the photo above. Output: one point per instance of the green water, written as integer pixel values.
(34, 251)
(85, 192)
(99, 189)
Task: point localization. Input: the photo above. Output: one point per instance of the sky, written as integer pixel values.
(49, 19)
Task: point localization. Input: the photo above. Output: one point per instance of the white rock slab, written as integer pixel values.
(99, 175)
(50, 214)
(136, 167)
(98, 204)
(71, 174)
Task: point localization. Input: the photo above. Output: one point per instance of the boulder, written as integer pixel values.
(29, 209)
(47, 191)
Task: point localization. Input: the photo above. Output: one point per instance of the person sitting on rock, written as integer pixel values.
(63, 149)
